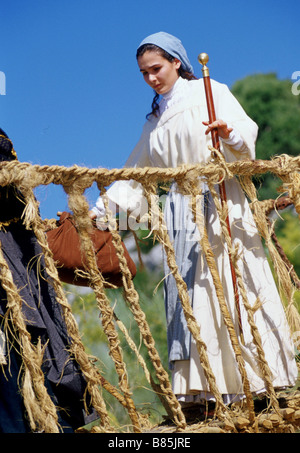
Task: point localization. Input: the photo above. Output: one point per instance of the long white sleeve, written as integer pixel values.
(234, 140)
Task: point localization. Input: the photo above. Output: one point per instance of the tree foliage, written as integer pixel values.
(271, 104)
(276, 110)
(287, 229)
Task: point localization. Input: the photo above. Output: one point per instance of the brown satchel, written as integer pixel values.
(64, 242)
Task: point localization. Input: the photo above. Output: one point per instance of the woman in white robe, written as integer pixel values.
(177, 132)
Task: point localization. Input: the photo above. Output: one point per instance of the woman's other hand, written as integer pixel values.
(92, 215)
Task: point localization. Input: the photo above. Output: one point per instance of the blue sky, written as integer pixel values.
(74, 94)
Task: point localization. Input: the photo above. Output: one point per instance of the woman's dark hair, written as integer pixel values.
(184, 74)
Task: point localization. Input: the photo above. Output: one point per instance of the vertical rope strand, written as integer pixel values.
(192, 324)
(39, 406)
(210, 259)
(262, 363)
(133, 299)
(79, 207)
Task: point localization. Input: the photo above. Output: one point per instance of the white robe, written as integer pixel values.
(177, 137)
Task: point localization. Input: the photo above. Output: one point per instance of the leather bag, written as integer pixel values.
(64, 242)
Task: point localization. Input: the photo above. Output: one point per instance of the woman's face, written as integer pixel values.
(159, 73)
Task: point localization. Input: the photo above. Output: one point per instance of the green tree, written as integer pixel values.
(287, 228)
(288, 233)
(276, 110)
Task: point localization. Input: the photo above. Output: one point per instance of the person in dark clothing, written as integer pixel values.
(44, 321)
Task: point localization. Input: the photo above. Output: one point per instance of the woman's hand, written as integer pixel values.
(92, 215)
(223, 129)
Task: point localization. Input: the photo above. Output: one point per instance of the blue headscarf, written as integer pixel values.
(172, 45)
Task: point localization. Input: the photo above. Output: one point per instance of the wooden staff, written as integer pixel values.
(203, 59)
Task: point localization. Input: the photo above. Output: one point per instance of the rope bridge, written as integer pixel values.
(75, 180)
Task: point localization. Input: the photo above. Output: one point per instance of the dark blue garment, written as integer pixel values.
(44, 320)
(12, 418)
(12, 410)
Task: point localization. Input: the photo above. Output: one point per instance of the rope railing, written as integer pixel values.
(75, 180)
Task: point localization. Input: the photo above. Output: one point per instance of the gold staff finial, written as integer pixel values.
(203, 59)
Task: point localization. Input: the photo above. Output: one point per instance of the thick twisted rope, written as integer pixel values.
(23, 174)
(40, 409)
(79, 207)
(192, 324)
(75, 180)
(211, 262)
(132, 298)
(262, 363)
